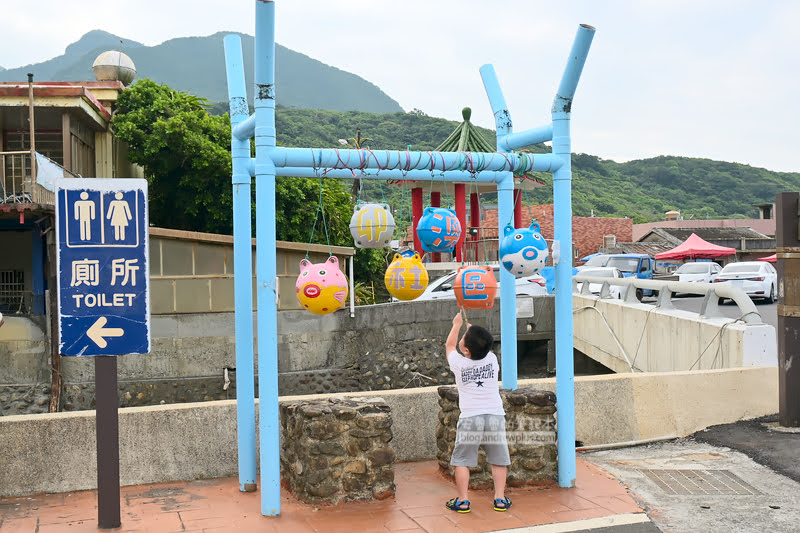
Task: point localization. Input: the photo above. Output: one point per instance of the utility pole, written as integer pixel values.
(788, 246)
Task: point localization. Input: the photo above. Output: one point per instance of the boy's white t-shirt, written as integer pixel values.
(477, 382)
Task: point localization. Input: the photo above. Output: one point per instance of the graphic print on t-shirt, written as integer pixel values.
(477, 374)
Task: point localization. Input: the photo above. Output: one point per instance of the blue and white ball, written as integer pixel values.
(523, 251)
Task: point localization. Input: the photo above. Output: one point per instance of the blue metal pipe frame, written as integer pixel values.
(272, 161)
(505, 213)
(562, 221)
(243, 264)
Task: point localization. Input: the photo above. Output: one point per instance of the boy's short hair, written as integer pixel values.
(478, 341)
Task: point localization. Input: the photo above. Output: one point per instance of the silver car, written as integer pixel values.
(757, 278)
(699, 272)
(602, 272)
(442, 288)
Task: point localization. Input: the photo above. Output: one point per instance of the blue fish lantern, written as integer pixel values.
(372, 225)
(523, 251)
(438, 230)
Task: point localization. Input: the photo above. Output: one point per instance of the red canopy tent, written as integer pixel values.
(770, 258)
(696, 248)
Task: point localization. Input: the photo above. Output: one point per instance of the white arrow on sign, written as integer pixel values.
(97, 332)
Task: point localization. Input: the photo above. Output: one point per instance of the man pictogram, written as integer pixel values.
(84, 214)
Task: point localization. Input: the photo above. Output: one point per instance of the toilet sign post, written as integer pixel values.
(102, 267)
(103, 300)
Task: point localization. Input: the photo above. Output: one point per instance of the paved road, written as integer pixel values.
(769, 312)
(755, 451)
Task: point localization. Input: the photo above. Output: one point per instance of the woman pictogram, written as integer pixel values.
(120, 214)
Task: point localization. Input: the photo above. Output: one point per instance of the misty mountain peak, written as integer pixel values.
(99, 39)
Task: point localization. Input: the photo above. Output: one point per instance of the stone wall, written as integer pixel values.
(337, 449)
(398, 365)
(531, 433)
(388, 346)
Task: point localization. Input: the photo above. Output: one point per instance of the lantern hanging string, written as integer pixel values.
(320, 209)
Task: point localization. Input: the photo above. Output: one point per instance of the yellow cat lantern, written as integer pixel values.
(406, 278)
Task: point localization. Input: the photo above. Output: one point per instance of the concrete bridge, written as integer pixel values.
(626, 335)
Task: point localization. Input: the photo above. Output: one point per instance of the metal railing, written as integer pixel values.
(712, 293)
(18, 185)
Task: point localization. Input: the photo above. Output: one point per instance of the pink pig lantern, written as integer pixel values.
(321, 287)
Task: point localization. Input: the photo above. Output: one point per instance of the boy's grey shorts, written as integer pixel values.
(474, 431)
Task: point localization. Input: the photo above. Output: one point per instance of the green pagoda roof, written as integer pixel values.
(466, 138)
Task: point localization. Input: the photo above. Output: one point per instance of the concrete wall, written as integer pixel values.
(192, 272)
(619, 334)
(198, 347)
(57, 453)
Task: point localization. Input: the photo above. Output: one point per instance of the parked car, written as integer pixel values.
(599, 260)
(634, 265)
(442, 288)
(756, 278)
(603, 272)
(698, 272)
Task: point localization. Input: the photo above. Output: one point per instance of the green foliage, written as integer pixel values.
(644, 190)
(185, 153)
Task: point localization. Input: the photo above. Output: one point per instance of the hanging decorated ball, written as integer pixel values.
(475, 287)
(372, 225)
(438, 230)
(321, 287)
(523, 251)
(406, 278)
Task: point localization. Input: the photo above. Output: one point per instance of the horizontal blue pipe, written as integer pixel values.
(416, 175)
(512, 141)
(406, 161)
(245, 129)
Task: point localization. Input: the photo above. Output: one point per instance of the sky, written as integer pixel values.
(716, 79)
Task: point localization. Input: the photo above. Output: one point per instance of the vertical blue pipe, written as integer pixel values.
(562, 220)
(505, 212)
(37, 278)
(266, 277)
(243, 270)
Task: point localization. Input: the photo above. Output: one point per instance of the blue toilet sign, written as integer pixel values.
(103, 270)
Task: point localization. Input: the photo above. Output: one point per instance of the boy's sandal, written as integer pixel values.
(458, 505)
(502, 504)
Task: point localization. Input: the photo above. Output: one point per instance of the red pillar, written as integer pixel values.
(461, 214)
(518, 208)
(475, 220)
(416, 214)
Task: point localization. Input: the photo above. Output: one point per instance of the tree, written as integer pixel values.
(186, 156)
(185, 153)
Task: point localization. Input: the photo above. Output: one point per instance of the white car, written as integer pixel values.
(442, 288)
(700, 272)
(597, 261)
(757, 278)
(603, 272)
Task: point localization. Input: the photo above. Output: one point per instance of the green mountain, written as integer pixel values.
(642, 190)
(197, 65)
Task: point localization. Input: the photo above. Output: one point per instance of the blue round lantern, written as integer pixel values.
(372, 225)
(438, 230)
(523, 251)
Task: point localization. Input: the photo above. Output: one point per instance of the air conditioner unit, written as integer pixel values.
(609, 241)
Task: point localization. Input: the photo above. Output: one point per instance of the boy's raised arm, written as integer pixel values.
(452, 338)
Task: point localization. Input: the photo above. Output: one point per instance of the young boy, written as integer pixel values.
(482, 419)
